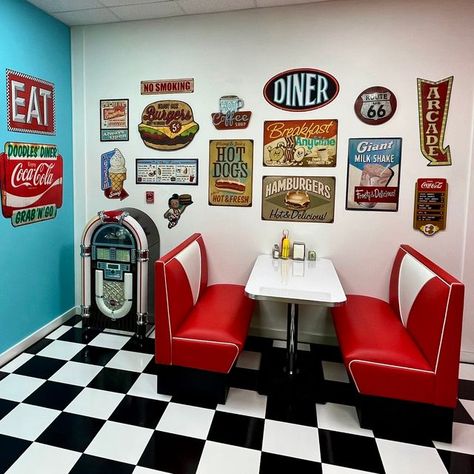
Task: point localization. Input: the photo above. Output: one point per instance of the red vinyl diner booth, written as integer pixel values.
(403, 355)
(200, 329)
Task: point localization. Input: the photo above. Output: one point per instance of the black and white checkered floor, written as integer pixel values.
(69, 405)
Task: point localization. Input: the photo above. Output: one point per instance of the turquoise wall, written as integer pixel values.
(36, 260)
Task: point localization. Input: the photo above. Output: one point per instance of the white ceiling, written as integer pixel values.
(88, 12)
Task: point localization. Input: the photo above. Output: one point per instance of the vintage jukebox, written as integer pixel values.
(118, 250)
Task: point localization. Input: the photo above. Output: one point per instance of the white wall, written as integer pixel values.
(361, 43)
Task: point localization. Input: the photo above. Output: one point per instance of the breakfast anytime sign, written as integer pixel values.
(307, 143)
(31, 177)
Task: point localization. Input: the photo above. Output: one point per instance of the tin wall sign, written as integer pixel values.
(31, 176)
(167, 86)
(114, 120)
(167, 125)
(433, 106)
(299, 90)
(373, 174)
(375, 105)
(158, 171)
(298, 198)
(230, 172)
(306, 143)
(431, 205)
(30, 104)
(230, 116)
(113, 174)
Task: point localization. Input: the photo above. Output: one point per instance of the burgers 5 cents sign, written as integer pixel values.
(167, 125)
(299, 90)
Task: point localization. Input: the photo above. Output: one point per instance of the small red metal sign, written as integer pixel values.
(30, 104)
(31, 176)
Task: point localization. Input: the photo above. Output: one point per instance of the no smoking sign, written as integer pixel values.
(375, 105)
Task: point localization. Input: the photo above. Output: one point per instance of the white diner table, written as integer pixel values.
(295, 282)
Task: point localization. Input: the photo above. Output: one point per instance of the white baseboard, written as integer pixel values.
(467, 357)
(36, 336)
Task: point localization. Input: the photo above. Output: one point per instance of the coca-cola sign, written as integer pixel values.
(31, 181)
(299, 90)
(431, 205)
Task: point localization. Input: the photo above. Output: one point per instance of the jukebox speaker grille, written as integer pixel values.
(114, 296)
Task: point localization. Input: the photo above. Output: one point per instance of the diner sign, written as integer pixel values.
(30, 104)
(433, 106)
(305, 143)
(373, 174)
(230, 172)
(162, 171)
(431, 205)
(31, 178)
(299, 90)
(298, 198)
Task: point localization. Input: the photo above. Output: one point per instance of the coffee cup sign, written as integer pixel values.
(230, 116)
(229, 104)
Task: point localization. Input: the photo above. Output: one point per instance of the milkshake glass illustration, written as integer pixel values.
(117, 171)
(375, 175)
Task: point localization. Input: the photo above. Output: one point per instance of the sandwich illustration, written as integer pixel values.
(167, 125)
(297, 200)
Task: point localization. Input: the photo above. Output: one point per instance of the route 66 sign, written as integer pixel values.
(375, 105)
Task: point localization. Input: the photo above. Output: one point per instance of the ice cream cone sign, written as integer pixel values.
(113, 174)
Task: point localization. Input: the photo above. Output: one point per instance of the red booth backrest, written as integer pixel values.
(429, 303)
(185, 271)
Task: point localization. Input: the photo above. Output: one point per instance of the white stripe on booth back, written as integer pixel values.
(411, 279)
(190, 259)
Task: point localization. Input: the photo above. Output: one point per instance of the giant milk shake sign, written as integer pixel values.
(31, 181)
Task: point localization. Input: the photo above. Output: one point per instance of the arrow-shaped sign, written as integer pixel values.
(433, 106)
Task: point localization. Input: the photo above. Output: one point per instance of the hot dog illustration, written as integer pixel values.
(230, 186)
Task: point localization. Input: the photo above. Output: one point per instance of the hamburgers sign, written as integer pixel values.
(167, 125)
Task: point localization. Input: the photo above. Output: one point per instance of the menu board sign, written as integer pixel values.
(230, 172)
(160, 171)
(431, 201)
(298, 198)
(306, 143)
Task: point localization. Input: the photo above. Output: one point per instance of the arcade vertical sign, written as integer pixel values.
(31, 181)
(30, 104)
(433, 106)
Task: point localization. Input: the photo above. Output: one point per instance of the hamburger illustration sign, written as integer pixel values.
(167, 125)
(298, 198)
(31, 180)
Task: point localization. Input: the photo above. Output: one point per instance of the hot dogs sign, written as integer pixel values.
(230, 172)
(31, 177)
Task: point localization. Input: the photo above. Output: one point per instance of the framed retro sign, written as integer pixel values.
(31, 177)
(30, 104)
(305, 143)
(373, 174)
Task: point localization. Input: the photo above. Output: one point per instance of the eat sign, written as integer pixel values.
(30, 104)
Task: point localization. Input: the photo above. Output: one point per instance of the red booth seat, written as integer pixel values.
(198, 327)
(408, 348)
